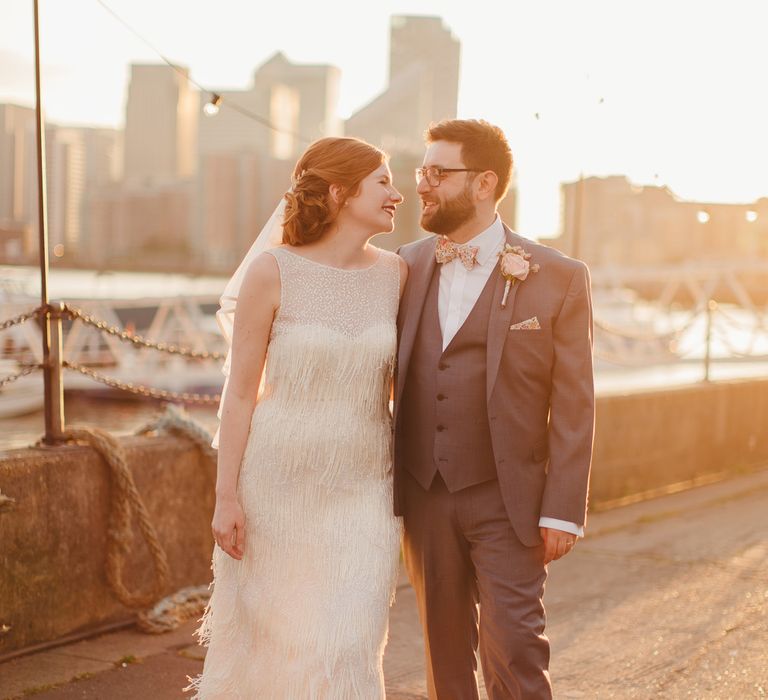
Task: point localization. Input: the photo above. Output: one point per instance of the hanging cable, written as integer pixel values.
(215, 101)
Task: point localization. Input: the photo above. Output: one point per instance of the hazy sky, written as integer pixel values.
(667, 92)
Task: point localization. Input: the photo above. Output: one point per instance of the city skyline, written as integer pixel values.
(195, 190)
(668, 95)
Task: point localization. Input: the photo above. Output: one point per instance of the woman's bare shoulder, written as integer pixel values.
(262, 278)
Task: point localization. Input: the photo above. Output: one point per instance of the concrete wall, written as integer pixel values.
(52, 542)
(650, 442)
(52, 549)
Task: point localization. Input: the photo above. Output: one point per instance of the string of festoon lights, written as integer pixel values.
(215, 100)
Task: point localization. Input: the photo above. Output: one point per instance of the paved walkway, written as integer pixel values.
(664, 599)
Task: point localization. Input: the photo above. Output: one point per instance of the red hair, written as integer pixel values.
(310, 210)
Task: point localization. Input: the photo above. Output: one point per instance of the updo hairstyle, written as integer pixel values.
(310, 209)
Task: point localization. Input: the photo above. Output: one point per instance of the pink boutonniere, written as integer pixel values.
(515, 265)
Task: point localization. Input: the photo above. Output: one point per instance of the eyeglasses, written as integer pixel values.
(435, 175)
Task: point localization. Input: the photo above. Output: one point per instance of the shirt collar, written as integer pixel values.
(489, 241)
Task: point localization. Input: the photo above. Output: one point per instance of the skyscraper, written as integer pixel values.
(423, 86)
(65, 170)
(299, 100)
(18, 150)
(317, 89)
(160, 125)
(427, 42)
(245, 165)
(79, 160)
(18, 184)
(103, 169)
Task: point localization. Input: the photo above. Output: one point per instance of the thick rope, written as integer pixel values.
(187, 603)
(178, 422)
(125, 500)
(173, 610)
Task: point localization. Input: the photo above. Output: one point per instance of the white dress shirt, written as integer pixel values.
(458, 293)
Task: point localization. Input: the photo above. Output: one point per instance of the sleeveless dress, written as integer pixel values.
(304, 614)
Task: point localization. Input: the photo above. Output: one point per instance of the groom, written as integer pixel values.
(494, 415)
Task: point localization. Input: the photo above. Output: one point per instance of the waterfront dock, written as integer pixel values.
(667, 598)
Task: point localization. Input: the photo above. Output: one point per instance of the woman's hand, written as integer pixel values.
(229, 526)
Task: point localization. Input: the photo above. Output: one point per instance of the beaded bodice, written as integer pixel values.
(334, 339)
(347, 301)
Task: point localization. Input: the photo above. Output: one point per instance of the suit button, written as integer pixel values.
(442, 366)
(440, 428)
(441, 397)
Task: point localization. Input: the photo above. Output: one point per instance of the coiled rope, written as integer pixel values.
(156, 615)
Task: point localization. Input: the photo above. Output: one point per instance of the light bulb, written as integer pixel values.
(211, 108)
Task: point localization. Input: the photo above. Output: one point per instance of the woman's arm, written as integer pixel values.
(258, 299)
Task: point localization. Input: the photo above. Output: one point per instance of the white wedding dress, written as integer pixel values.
(304, 614)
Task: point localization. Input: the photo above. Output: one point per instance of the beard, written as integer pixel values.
(450, 214)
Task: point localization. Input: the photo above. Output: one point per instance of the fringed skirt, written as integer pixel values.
(304, 614)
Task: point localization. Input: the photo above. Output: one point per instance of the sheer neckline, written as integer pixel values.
(332, 267)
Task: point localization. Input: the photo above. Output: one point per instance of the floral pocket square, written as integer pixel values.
(531, 324)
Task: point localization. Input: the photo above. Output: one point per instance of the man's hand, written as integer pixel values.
(556, 543)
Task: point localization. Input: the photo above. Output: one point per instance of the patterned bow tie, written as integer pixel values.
(447, 250)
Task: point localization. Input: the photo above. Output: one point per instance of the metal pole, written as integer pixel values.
(57, 394)
(53, 393)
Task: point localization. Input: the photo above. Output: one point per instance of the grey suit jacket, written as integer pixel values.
(539, 383)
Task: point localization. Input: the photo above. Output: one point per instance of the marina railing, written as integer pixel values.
(615, 344)
(54, 314)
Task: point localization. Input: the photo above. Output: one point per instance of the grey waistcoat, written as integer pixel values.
(444, 413)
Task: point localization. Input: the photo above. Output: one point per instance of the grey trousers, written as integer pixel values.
(462, 553)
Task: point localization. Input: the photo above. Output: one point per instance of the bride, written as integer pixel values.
(307, 547)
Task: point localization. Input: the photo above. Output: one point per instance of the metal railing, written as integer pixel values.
(614, 344)
(54, 314)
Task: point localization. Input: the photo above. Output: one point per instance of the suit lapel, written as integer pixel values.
(419, 276)
(499, 321)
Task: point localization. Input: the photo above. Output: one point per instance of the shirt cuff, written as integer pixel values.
(564, 525)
